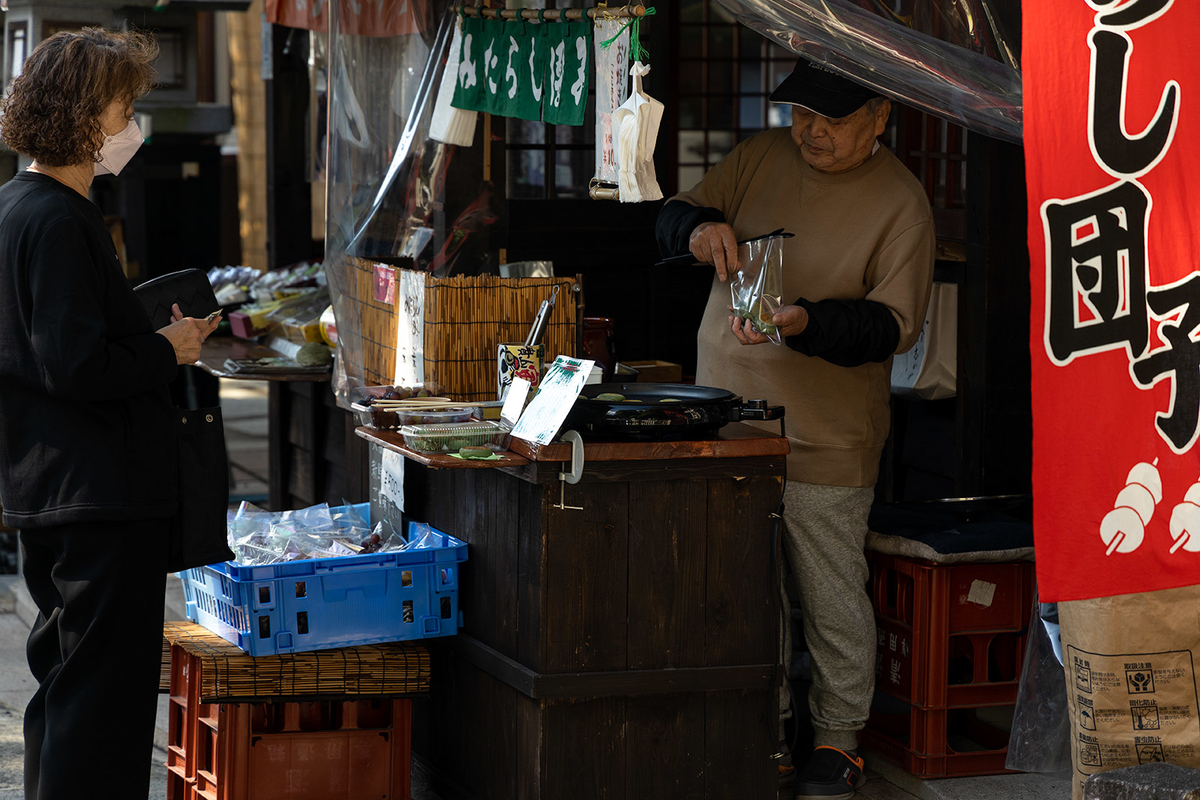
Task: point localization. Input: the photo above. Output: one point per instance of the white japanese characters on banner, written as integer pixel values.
(531, 71)
(1113, 167)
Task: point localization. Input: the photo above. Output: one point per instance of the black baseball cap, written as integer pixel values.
(818, 88)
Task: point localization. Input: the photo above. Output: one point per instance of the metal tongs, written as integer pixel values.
(538, 330)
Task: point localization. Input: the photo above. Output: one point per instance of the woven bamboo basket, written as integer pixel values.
(465, 319)
(230, 675)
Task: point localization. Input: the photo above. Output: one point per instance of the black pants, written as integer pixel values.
(96, 651)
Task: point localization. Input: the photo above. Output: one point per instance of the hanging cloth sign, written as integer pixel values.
(522, 84)
(1112, 170)
(567, 73)
(493, 44)
(468, 90)
(612, 89)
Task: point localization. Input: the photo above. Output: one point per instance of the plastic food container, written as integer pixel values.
(384, 419)
(450, 438)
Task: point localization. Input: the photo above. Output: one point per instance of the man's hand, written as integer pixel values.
(790, 320)
(187, 334)
(715, 243)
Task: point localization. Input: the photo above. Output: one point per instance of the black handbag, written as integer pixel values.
(190, 288)
(198, 533)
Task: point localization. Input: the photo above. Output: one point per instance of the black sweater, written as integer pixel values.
(86, 430)
(843, 332)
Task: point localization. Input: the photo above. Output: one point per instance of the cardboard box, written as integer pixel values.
(1130, 668)
(657, 371)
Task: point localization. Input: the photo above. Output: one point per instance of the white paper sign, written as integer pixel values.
(514, 401)
(612, 89)
(391, 479)
(559, 389)
(410, 328)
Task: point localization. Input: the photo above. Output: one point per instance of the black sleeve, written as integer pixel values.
(69, 331)
(847, 332)
(676, 221)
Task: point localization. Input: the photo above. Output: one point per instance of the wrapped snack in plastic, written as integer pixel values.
(756, 289)
(383, 539)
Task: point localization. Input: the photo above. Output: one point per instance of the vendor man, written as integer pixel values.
(859, 272)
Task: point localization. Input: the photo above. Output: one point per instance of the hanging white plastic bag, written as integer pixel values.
(929, 370)
(635, 125)
(452, 125)
(756, 289)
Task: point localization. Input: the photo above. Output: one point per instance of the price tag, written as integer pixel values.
(391, 480)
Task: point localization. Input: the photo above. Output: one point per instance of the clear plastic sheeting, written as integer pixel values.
(1040, 740)
(940, 77)
(385, 176)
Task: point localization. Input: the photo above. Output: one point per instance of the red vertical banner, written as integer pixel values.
(1112, 148)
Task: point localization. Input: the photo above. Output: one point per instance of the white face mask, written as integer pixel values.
(118, 149)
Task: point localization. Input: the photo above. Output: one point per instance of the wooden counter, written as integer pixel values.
(219, 349)
(314, 455)
(620, 633)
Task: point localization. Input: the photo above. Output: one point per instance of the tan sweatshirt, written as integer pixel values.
(867, 233)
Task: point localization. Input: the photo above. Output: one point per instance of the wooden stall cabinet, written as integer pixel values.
(620, 634)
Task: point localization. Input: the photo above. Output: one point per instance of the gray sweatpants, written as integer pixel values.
(824, 540)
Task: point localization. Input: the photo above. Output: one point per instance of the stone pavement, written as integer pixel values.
(885, 781)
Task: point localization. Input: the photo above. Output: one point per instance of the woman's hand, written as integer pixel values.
(187, 334)
(790, 320)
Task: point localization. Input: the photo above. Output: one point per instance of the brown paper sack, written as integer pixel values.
(1130, 664)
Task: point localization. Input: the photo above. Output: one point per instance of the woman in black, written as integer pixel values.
(87, 456)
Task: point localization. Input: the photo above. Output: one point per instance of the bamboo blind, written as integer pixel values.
(465, 318)
(378, 327)
(229, 675)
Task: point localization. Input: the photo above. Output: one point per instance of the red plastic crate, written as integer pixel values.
(938, 743)
(326, 750)
(305, 751)
(183, 706)
(950, 635)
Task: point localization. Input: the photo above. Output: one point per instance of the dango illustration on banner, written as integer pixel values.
(1185, 521)
(1124, 528)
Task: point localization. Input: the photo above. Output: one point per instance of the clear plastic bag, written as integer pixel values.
(756, 290)
(1040, 740)
(260, 537)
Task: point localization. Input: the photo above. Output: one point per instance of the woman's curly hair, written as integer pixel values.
(52, 112)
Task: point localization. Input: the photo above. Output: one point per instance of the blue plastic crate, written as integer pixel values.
(320, 603)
